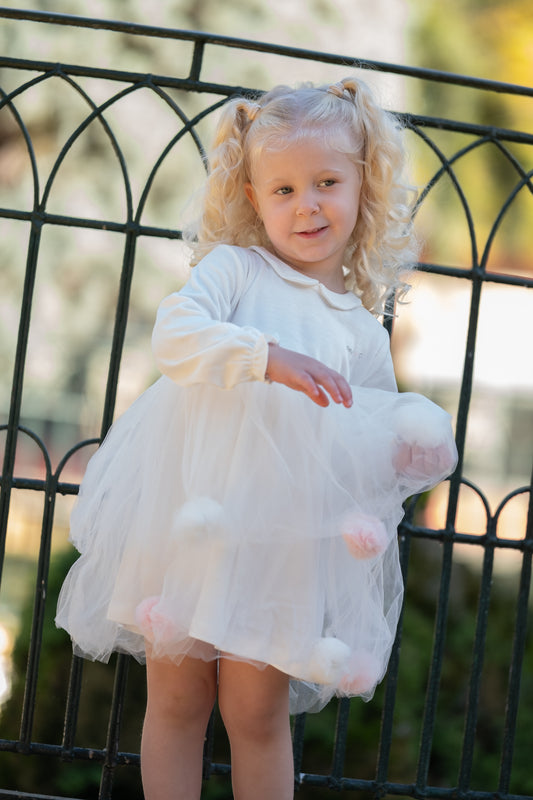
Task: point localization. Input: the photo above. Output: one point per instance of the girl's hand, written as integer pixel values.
(307, 375)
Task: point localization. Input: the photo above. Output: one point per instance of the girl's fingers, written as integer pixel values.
(319, 397)
(309, 386)
(329, 384)
(307, 375)
(337, 387)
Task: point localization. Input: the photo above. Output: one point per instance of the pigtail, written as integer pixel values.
(227, 216)
(383, 244)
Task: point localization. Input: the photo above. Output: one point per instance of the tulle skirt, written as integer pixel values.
(253, 523)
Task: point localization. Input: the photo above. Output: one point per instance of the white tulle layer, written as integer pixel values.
(254, 523)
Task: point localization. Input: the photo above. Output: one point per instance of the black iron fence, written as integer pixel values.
(452, 718)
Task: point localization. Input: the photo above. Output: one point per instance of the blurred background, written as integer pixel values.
(78, 269)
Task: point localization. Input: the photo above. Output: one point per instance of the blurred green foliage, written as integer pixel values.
(489, 40)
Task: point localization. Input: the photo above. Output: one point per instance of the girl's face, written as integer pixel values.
(307, 196)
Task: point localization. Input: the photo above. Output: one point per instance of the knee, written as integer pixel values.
(185, 707)
(257, 718)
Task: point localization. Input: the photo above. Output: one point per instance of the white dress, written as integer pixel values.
(226, 514)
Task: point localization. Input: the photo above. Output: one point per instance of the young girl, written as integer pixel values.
(238, 525)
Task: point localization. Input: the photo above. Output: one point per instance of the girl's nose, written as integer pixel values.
(307, 205)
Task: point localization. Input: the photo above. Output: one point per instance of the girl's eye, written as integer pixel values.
(283, 190)
(327, 182)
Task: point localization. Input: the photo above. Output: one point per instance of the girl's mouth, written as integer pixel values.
(311, 232)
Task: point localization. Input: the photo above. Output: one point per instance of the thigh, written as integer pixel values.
(187, 689)
(251, 697)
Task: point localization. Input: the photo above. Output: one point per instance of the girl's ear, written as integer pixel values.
(250, 194)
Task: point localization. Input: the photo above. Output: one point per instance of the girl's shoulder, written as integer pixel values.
(239, 261)
(241, 267)
(228, 267)
(224, 256)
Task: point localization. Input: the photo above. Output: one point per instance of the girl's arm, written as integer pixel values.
(193, 341)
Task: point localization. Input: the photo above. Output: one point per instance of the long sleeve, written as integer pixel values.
(193, 340)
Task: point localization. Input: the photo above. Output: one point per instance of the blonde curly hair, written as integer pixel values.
(382, 245)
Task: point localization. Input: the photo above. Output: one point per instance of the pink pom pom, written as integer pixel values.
(153, 623)
(365, 536)
(421, 463)
(365, 672)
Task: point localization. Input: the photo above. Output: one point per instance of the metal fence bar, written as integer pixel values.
(113, 733)
(38, 622)
(478, 653)
(515, 673)
(71, 708)
(391, 686)
(339, 745)
(16, 393)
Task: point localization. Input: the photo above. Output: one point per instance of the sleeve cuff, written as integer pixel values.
(260, 357)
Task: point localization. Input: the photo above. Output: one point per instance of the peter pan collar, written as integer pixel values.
(343, 302)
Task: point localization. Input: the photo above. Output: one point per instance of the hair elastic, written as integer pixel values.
(337, 89)
(253, 110)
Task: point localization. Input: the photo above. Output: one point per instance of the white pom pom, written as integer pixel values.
(198, 517)
(420, 424)
(329, 660)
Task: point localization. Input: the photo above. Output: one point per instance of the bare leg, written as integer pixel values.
(254, 704)
(180, 699)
